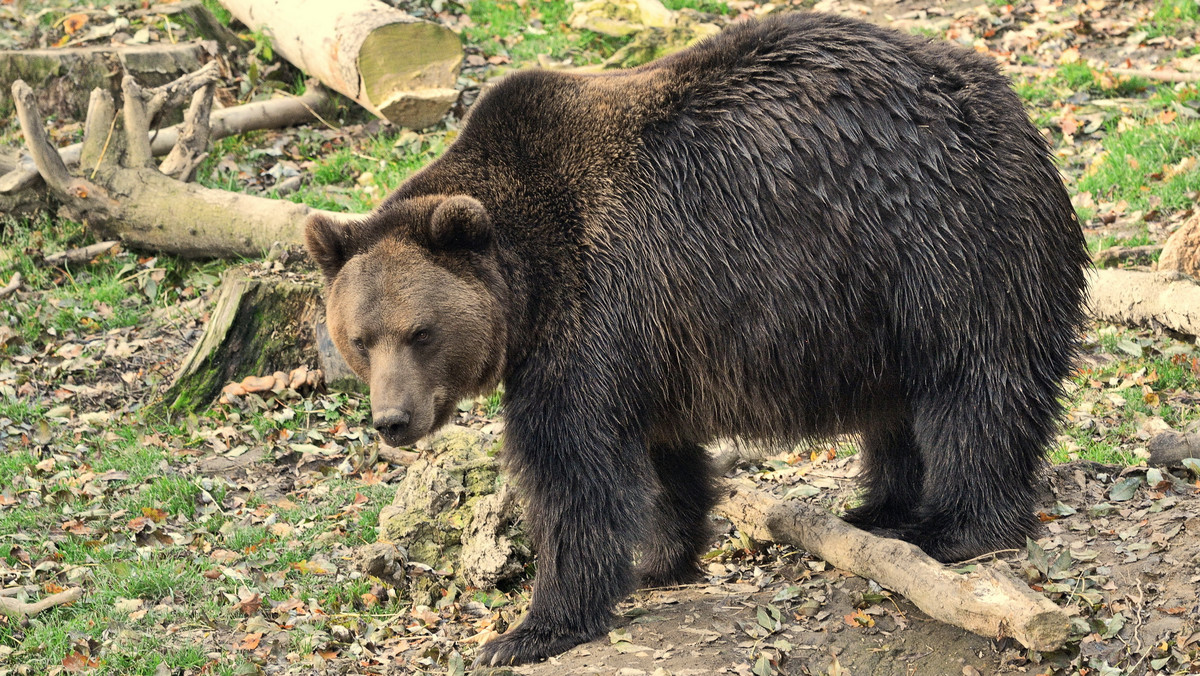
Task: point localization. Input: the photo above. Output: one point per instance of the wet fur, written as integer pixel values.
(803, 227)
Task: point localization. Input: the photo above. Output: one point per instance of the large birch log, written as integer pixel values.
(987, 601)
(1169, 300)
(398, 67)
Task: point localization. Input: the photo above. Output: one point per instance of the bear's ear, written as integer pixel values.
(330, 243)
(460, 222)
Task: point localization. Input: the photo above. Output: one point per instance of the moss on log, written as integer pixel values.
(260, 323)
(257, 326)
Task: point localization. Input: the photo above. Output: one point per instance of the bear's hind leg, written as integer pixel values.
(679, 530)
(982, 462)
(891, 475)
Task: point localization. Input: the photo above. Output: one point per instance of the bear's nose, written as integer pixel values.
(393, 425)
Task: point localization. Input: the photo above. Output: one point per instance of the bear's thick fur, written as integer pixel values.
(805, 226)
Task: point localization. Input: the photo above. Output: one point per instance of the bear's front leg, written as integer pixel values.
(585, 496)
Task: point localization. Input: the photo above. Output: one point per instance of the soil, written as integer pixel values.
(1139, 559)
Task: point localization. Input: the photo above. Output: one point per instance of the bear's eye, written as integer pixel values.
(359, 345)
(421, 337)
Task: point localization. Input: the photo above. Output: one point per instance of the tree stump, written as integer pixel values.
(260, 323)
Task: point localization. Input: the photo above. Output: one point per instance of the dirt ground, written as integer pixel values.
(1136, 560)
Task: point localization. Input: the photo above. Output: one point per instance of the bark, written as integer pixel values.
(259, 324)
(1167, 300)
(9, 289)
(64, 77)
(123, 198)
(1172, 448)
(20, 173)
(987, 601)
(398, 67)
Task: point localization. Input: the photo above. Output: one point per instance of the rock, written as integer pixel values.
(489, 553)
(383, 560)
(1182, 250)
(452, 511)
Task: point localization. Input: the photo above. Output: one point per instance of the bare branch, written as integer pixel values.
(98, 130)
(49, 163)
(174, 93)
(137, 125)
(192, 146)
(80, 255)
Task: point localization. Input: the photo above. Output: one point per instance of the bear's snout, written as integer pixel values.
(394, 426)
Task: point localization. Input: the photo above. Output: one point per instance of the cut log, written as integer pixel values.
(64, 77)
(988, 601)
(398, 67)
(123, 198)
(20, 173)
(1160, 300)
(259, 324)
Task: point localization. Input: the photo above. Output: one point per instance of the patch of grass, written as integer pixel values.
(523, 31)
(706, 6)
(1100, 243)
(218, 11)
(1136, 162)
(1173, 17)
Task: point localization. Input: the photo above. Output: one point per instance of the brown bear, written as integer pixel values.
(805, 226)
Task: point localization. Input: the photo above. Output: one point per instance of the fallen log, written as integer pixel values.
(1160, 300)
(399, 68)
(987, 601)
(21, 610)
(1172, 448)
(287, 111)
(122, 196)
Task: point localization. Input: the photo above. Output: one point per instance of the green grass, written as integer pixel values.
(1132, 158)
(523, 31)
(706, 6)
(1173, 17)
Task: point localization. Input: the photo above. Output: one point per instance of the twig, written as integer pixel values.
(79, 255)
(14, 591)
(1159, 75)
(12, 286)
(18, 609)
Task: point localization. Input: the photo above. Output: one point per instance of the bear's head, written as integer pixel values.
(411, 303)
